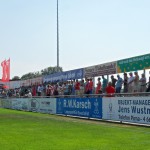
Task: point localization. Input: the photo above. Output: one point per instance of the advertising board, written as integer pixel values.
(44, 105)
(133, 63)
(20, 104)
(6, 103)
(127, 109)
(83, 107)
(64, 76)
(98, 70)
(0, 102)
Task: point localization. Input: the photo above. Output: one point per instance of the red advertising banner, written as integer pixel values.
(5, 70)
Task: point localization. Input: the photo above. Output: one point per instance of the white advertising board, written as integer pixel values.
(20, 104)
(127, 109)
(0, 102)
(44, 105)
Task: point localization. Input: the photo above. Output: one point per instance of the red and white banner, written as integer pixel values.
(5, 70)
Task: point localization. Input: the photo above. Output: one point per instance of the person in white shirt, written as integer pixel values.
(130, 83)
(136, 82)
(39, 90)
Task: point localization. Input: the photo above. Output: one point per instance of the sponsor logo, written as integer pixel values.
(34, 105)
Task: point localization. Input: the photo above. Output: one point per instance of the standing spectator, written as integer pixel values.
(130, 83)
(56, 90)
(77, 87)
(148, 88)
(98, 87)
(48, 90)
(82, 87)
(91, 86)
(104, 85)
(33, 90)
(87, 86)
(73, 86)
(60, 89)
(110, 90)
(39, 90)
(66, 88)
(125, 83)
(113, 81)
(136, 82)
(119, 84)
(69, 87)
(143, 83)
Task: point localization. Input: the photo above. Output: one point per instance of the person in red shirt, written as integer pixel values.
(98, 88)
(110, 90)
(91, 86)
(33, 90)
(87, 86)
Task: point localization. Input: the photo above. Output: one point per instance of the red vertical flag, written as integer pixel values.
(5, 70)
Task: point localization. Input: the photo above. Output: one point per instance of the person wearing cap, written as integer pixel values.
(119, 84)
(125, 83)
(130, 83)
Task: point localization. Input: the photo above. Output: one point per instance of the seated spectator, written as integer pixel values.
(110, 90)
(28, 94)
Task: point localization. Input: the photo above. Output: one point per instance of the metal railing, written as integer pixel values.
(137, 94)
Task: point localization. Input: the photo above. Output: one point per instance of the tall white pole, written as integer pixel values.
(57, 38)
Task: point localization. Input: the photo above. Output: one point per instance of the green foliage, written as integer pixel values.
(31, 75)
(33, 131)
(46, 71)
(15, 78)
(51, 70)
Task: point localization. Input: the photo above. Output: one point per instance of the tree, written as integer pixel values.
(30, 75)
(15, 78)
(43, 72)
(51, 70)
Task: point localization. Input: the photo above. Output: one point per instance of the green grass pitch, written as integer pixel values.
(34, 131)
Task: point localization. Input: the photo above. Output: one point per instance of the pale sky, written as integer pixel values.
(91, 32)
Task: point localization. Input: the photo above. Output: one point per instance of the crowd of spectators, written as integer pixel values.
(130, 83)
